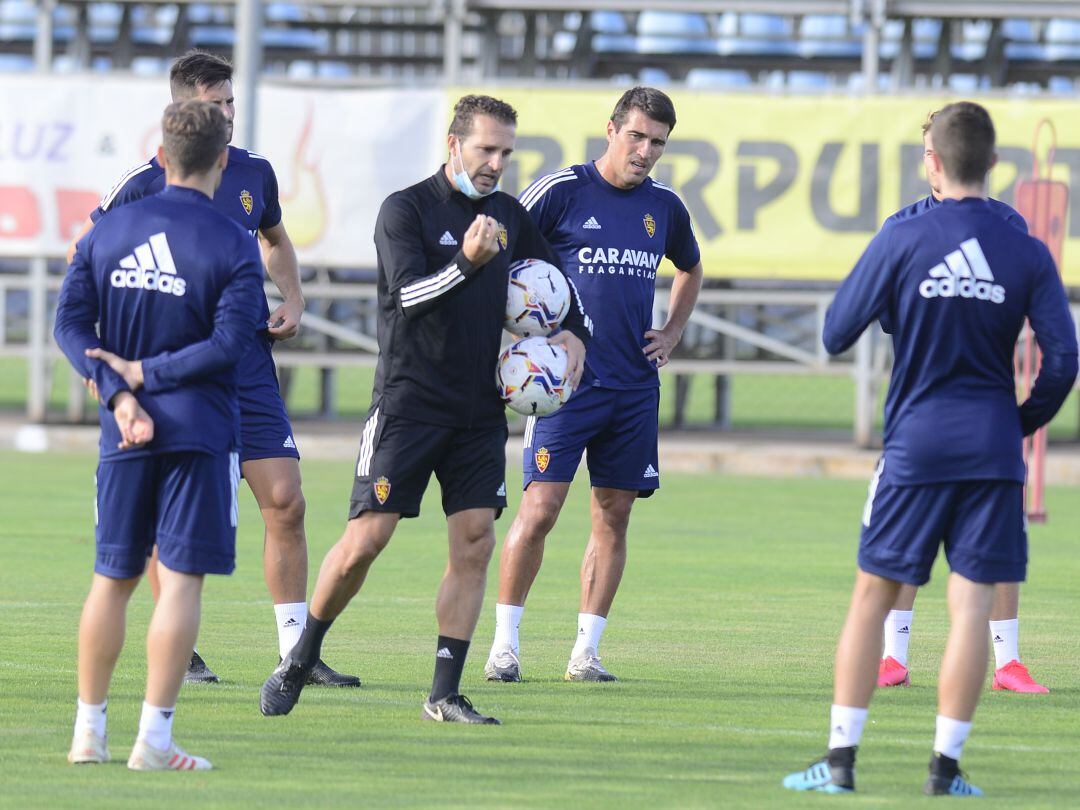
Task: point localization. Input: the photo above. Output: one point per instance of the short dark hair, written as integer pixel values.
(929, 120)
(468, 107)
(654, 103)
(194, 133)
(963, 137)
(197, 69)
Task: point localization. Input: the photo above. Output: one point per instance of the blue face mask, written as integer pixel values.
(465, 183)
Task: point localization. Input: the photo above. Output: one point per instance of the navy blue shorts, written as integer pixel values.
(184, 502)
(981, 524)
(616, 429)
(265, 429)
(398, 455)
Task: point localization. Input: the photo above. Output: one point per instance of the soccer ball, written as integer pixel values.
(531, 375)
(537, 298)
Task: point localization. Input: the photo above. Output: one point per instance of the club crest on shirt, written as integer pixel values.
(382, 489)
(650, 225)
(502, 236)
(543, 458)
(248, 201)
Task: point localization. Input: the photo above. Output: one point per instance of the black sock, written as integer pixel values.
(943, 766)
(449, 663)
(309, 648)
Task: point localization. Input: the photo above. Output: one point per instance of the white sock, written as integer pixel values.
(155, 725)
(950, 736)
(1005, 635)
(897, 633)
(846, 725)
(507, 621)
(590, 628)
(291, 618)
(90, 716)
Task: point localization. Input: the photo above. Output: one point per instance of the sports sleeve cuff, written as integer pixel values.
(154, 377)
(466, 267)
(109, 384)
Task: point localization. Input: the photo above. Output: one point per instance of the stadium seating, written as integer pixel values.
(965, 45)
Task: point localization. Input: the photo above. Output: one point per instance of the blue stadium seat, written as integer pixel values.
(653, 77)
(1025, 51)
(300, 39)
(16, 63)
(1018, 30)
(149, 66)
(828, 35)
(967, 83)
(974, 34)
(925, 34)
(152, 26)
(758, 35)
(1063, 40)
(672, 32)
(808, 80)
(608, 22)
(717, 78)
(1065, 85)
(18, 21)
(212, 36)
(612, 35)
(283, 12)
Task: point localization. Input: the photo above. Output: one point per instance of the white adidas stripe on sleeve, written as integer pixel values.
(533, 193)
(110, 196)
(430, 288)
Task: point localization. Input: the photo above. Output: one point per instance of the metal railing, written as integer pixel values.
(730, 332)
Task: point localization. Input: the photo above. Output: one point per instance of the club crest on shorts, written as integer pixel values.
(382, 489)
(650, 225)
(248, 201)
(543, 458)
(502, 236)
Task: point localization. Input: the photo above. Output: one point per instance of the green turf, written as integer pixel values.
(722, 635)
(758, 401)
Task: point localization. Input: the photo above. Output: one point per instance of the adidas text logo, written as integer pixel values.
(501, 493)
(291, 623)
(447, 239)
(289, 443)
(444, 652)
(149, 267)
(965, 273)
(650, 472)
(905, 629)
(998, 639)
(168, 714)
(591, 224)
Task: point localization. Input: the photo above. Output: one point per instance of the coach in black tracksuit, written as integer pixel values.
(444, 248)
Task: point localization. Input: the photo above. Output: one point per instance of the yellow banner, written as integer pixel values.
(792, 187)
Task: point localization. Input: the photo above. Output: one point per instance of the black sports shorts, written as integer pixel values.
(398, 455)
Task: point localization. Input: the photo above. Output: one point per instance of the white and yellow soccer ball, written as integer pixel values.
(531, 375)
(537, 298)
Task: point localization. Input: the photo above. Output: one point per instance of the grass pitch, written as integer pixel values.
(722, 635)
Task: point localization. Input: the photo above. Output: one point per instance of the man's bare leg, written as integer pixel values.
(174, 627)
(519, 564)
(860, 641)
(457, 607)
(963, 668)
(601, 572)
(341, 576)
(523, 548)
(101, 634)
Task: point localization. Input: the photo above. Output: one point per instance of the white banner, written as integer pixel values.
(337, 153)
